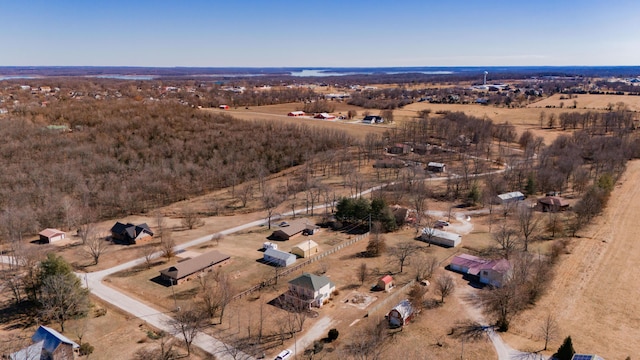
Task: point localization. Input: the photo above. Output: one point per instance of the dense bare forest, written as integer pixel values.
(118, 157)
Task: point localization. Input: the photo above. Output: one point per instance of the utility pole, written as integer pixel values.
(175, 302)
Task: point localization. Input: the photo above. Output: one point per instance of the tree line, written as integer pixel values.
(124, 157)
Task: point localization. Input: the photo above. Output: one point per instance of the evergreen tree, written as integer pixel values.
(565, 351)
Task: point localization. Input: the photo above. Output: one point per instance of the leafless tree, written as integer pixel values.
(363, 273)
(444, 286)
(224, 292)
(554, 224)
(87, 231)
(425, 266)
(549, 329)
(191, 219)
(245, 193)
(502, 303)
(186, 324)
(377, 245)
(368, 343)
(164, 352)
(270, 201)
(149, 253)
(216, 238)
(403, 251)
(71, 212)
(506, 237)
(238, 348)
(61, 298)
(160, 223)
(28, 258)
(95, 246)
(167, 244)
(529, 224)
(416, 296)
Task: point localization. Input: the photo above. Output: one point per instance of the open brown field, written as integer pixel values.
(279, 113)
(589, 102)
(525, 118)
(595, 294)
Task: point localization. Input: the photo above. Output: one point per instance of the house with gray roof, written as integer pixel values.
(190, 268)
(309, 290)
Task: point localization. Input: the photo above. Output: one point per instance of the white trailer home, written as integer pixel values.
(439, 237)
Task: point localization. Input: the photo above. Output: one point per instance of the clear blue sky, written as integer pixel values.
(274, 33)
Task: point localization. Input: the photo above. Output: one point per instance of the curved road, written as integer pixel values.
(94, 281)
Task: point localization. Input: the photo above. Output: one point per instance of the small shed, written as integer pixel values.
(223, 107)
(436, 167)
(279, 258)
(296, 113)
(305, 249)
(51, 235)
(269, 245)
(401, 314)
(385, 283)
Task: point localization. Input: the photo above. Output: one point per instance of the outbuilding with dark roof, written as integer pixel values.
(187, 269)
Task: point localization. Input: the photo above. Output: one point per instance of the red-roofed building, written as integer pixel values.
(385, 283)
(296, 113)
(491, 272)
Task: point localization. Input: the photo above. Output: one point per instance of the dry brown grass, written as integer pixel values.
(594, 294)
(589, 102)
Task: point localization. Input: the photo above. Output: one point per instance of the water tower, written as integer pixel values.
(484, 82)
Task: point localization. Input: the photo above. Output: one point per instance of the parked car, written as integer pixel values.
(442, 223)
(284, 354)
(284, 224)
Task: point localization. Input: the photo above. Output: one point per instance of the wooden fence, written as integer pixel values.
(299, 266)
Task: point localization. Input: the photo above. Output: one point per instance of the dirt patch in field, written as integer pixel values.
(360, 300)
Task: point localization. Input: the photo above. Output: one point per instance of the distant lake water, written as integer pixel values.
(124, 77)
(11, 77)
(325, 72)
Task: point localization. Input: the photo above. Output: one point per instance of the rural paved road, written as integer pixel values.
(94, 281)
